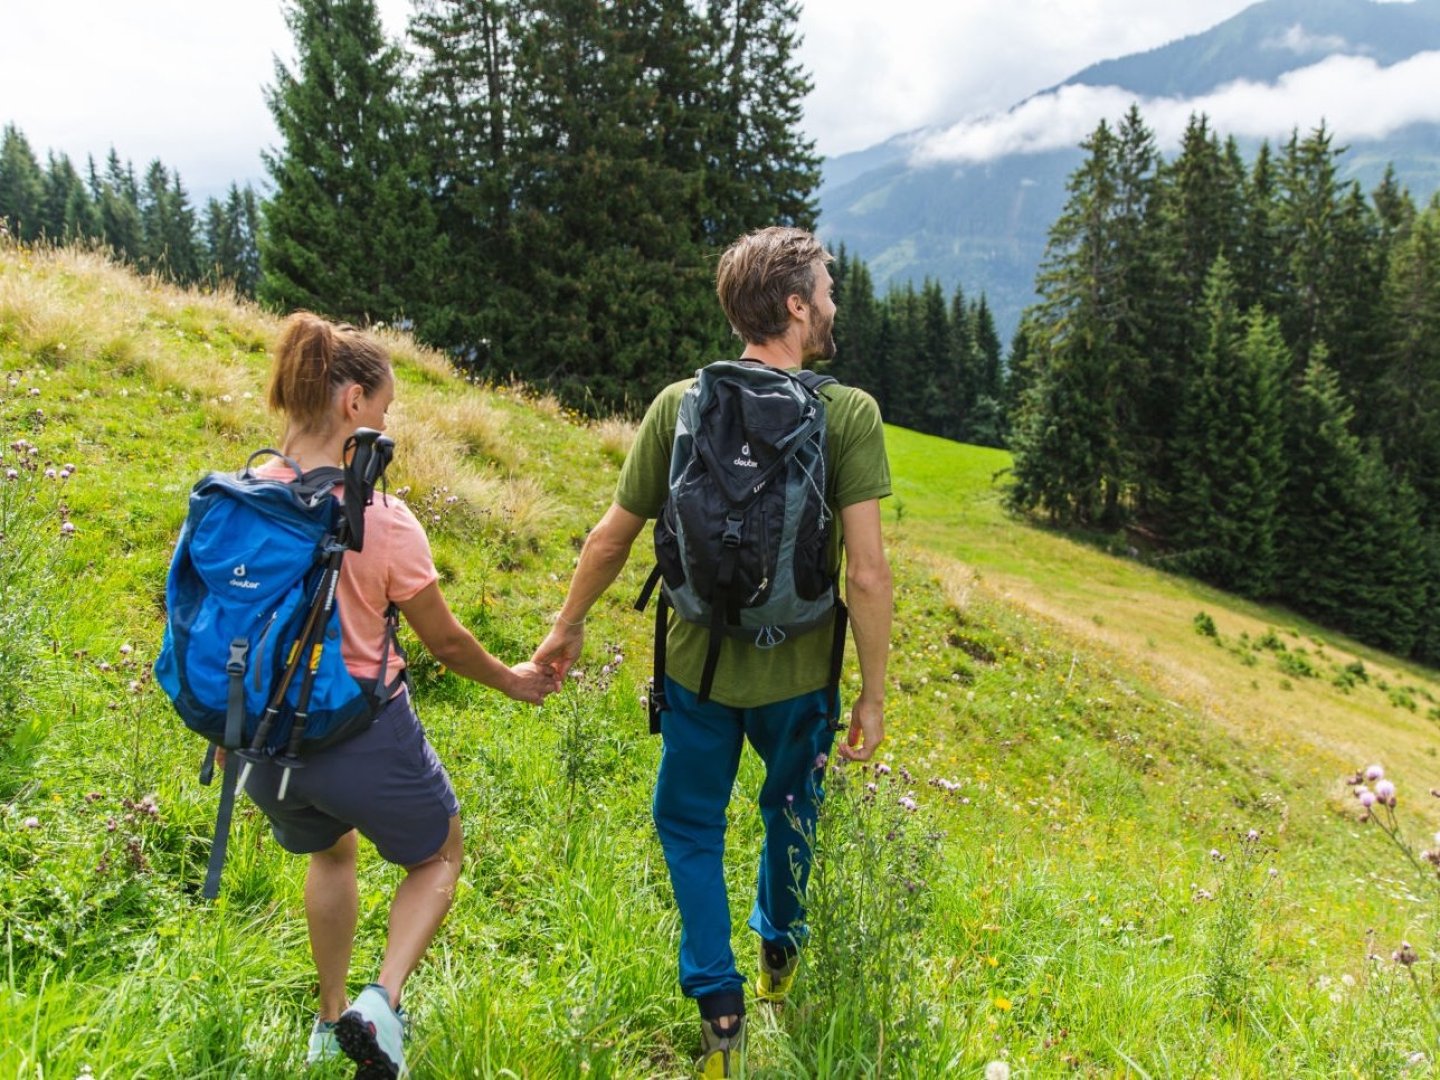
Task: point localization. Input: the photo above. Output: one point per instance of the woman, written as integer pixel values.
(385, 783)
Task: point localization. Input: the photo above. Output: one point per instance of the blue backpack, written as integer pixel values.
(251, 655)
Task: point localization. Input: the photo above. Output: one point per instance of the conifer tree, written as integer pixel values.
(119, 209)
(69, 213)
(22, 187)
(349, 229)
(1352, 551)
(1406, 409)
(1229, 446)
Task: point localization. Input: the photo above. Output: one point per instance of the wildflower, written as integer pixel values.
(908, 803)
(882, 769)
(821, 760)
(104, 666)
(789, 800)
(31, 823)
(1373, 773)
(1367, 798)
(1003, 1004)
(1404, 955)
(126, 650)
(34, 391)
(1385, 792)
(50, 474)
(12, 474)
(67, 528)
(1215, 854)
(1252, 836)
(997, 1070)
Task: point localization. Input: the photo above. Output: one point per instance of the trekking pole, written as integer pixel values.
(254, 752)
(369, 453)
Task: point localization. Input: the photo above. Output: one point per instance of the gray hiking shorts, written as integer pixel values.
(385, 782)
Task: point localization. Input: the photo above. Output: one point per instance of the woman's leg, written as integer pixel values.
(331, 909)
(421, 903)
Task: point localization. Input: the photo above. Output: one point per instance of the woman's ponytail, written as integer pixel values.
(314, 357)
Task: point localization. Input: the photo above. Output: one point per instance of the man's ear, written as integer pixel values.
(796, 305)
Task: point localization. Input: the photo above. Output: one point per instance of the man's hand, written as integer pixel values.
(532, 682)
(561, 648)
(867, 730)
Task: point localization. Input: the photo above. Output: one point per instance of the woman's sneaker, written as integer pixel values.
(371, 1034)
(721, 1048)
(778, 964)
(322, 1043)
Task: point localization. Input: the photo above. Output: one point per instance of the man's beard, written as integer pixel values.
(821, 343)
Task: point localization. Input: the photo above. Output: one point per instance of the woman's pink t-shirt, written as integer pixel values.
(395, 565)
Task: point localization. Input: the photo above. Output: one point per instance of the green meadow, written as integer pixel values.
(1133, 850)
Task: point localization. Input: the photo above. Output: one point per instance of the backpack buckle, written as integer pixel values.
(733, 525)
(239, 650)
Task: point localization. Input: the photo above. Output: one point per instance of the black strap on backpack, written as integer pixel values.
(234, 731)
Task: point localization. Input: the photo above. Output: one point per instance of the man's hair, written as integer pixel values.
(757, 275)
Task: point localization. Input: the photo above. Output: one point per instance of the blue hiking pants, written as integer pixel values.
(698, 764)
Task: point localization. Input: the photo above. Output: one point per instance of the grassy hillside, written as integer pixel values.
(1076, 751)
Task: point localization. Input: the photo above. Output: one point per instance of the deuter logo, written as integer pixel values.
(238, 582)
(744, 460)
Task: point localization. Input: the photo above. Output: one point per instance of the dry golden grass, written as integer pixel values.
(615, 435)
(472, 423)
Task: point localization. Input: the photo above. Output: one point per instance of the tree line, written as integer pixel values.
(1238, 363)
(147, 222)
(540, 187)
(934, 364)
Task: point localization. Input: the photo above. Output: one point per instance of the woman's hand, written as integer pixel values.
(532, 682)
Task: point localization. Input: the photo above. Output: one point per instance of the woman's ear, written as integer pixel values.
(354, 398)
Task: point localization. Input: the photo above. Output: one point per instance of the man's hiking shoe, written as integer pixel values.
(721, 1049)
(778, 964)
(323, 1046)
(371, 1033)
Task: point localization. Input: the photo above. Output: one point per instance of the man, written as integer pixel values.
(776, 291)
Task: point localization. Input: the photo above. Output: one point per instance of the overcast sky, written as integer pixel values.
(182, 79)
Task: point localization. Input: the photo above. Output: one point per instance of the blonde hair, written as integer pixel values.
(313, 358)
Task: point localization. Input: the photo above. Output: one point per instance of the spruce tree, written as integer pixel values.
(119, 209)
(349, 229)
(1228, 450)
(22, 187)
(69, 213)
(1406, 409)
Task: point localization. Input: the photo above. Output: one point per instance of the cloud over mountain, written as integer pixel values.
(1353, 95)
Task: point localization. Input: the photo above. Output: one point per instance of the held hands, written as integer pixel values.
(561, 647)
(532, 682)
(867, 730)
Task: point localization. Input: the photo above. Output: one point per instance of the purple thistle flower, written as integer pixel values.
(1373, 773)
(908, 803)
(1385, 792)
(883, 769)
(1367, 798)
(12, 474)
(789, 800)
(68, 528)
(1404, 955)
(31, 823)
(1252, 835)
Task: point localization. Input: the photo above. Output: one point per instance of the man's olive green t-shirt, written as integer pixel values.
(856, 470)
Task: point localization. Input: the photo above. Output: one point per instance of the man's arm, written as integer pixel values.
(870, 597)
(601, 560)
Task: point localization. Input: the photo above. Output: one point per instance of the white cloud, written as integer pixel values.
(1301, 42)
(1356, 98)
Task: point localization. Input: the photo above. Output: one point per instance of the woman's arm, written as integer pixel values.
(456, 647)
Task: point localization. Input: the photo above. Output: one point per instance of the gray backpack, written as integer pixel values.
(742, 543)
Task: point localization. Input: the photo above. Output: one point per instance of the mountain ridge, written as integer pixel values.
(983, 226)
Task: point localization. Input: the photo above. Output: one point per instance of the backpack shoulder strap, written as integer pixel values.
(813, 380)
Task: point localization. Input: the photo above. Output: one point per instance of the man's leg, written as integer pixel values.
(790, 737)
(331, 910)
(701, 754)
(420, 906)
